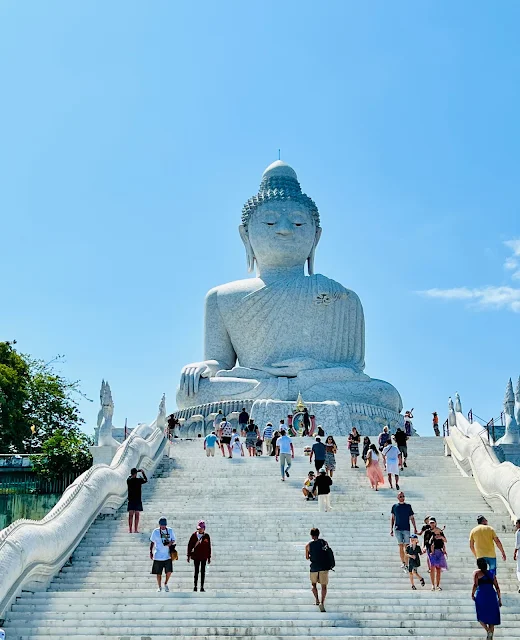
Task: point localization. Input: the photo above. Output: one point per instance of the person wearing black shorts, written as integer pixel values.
(226, 433)
(135, 504)
(160, 542)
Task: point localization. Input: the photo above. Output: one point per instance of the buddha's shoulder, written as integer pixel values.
(237, 287)
(331, 286)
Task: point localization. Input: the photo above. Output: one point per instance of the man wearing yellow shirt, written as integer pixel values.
(482, 540)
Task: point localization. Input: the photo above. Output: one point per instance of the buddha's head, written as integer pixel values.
(280, 225)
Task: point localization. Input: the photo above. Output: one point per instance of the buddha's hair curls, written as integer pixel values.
(279, 189)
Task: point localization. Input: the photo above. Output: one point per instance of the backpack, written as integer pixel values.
(327, 557)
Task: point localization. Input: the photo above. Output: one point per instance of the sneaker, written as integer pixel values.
(287, 473)
(397, 486)
(194, 588)
(439, 588)
(202, 590)
(405, 464)
(166, 588)
(159, 589)
(322, 607)
(433, 588)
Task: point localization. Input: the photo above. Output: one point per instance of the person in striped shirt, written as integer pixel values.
(267, 437)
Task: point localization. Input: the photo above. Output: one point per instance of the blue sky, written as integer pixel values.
(132, 133)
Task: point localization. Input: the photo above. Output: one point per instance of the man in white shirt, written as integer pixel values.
(284, 451)
(393, 460)
(160, 542)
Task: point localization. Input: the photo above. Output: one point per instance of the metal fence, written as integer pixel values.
(30, 483)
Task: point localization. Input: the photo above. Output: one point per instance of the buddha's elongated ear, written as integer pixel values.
(310, 259)
(250, 256)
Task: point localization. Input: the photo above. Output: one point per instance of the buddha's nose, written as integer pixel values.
(284, 228)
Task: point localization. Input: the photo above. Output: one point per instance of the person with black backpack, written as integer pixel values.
(322, 561)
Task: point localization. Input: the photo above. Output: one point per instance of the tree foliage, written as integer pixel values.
(32, 393)
(65, 452)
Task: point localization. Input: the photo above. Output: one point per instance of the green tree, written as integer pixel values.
(65, 452)
(32, 393)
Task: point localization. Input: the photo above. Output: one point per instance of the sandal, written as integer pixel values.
(422, 582)
(414, 587)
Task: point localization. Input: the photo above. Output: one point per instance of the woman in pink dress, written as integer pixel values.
(374, 472)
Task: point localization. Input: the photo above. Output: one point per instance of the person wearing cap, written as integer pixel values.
(401, 516)
(308, 488)
(135, 504)
(209, 444)
(2, 634)
(160, 542)
(482, 541)
(413, 551)
(284, 451)
(199, 550)
(322, 486)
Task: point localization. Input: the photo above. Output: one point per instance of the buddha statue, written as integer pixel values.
(282, 332)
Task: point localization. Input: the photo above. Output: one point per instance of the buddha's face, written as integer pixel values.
(282, 234)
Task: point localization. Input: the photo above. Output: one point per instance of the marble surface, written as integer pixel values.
(283, 332)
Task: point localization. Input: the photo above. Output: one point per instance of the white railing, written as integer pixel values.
(473, 454)
(33, 551)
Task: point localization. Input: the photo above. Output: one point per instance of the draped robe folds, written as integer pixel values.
(311, 322)
(309, 317)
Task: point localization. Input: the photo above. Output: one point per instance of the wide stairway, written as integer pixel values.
(258, 582)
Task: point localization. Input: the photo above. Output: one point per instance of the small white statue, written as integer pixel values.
(517, 401)
(512, 434)
(107, 412)
(161, 418)
(458, 403)
(101, 396)
(452, 419)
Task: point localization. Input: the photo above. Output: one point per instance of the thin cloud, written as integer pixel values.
(489, 297)
(485, 297)
(512, 263)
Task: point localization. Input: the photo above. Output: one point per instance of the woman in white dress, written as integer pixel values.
(237, 448)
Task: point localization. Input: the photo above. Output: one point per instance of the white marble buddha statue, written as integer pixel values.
(283, 332)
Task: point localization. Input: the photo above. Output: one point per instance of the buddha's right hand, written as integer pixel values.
(192, 373)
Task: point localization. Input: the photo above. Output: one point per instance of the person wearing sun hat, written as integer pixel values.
(199, 549)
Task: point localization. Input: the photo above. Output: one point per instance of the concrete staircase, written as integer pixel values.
(258, 583)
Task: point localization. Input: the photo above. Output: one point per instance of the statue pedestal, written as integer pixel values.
(334, 417)
(103, 454)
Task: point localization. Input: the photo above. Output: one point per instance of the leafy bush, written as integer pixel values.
(65, 452)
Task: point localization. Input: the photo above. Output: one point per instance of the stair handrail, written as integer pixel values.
(32, 551)
(494, 479)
